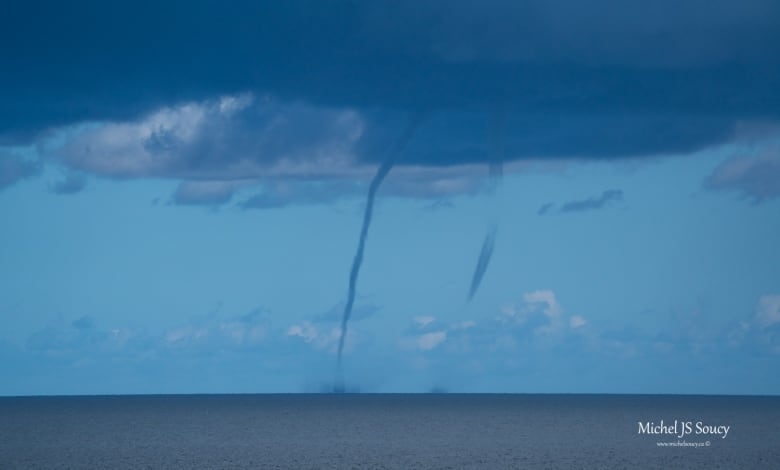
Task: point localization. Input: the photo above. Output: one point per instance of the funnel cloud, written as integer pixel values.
(485, 253)
(357, 261)
(496, 172)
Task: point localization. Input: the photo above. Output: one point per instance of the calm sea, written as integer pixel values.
(346, 431)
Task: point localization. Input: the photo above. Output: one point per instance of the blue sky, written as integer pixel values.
(181, 206)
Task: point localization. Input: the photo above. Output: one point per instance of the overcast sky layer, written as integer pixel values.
(182, 186)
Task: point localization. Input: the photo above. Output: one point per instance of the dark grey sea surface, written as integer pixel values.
(347, 431)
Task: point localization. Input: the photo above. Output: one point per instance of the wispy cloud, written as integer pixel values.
(545, 208)
(593, 203)
(205, 192)
(768, 311)
(14, 168)
(72, 183)
(756, 177)
(606, 198)
(288, 192)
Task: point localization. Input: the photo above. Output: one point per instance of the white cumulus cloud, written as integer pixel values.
(577, 321)
(768, 310)
(546, 297)
(429, 341)
(424, 321)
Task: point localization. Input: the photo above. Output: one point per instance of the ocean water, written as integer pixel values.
(345, 431)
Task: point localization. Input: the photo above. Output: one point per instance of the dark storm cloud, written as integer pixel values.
(461, 137)
(246, 136)
(606, 79)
